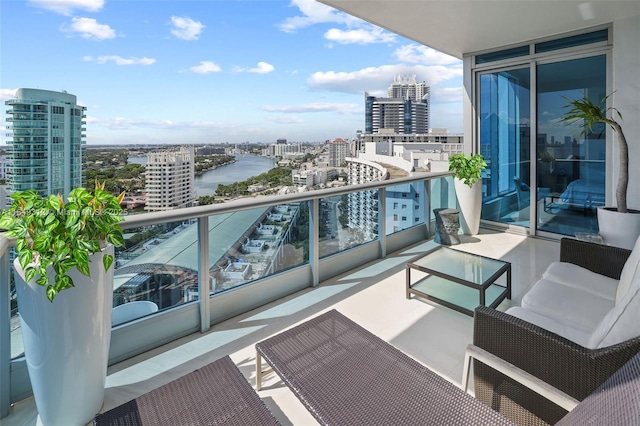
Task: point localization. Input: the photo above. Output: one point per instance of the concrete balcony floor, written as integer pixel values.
(373, 296)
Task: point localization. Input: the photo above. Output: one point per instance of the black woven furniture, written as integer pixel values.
(216, 394)
(345, 375)
(563, 364)
(615, 402)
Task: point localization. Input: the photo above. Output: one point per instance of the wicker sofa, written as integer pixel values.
(540, 339)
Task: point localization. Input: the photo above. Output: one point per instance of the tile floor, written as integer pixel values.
(373, 296)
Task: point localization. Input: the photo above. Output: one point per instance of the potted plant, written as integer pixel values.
(467, 171)
(64, 283)
(619, 226)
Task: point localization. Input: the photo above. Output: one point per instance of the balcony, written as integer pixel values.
(362, 278)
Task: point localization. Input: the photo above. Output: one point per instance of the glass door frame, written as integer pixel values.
(532, 61)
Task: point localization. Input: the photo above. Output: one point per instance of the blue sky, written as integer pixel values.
(212, 71)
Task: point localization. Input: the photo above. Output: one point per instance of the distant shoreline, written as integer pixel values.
(201, 172)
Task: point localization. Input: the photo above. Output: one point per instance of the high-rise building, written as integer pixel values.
(406, 110)
(170, 177)
(338, 151)
(47, 138)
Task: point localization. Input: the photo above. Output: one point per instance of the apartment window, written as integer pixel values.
(395, 205)
(404, 206)
(404, 218)
(502, 54)
(395, 217)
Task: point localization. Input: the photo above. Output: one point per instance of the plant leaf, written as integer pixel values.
(84, 269)
(107, 261)
(51, 293)
(29, 273)
(25, 257)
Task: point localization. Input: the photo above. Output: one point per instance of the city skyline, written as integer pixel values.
(214, 71)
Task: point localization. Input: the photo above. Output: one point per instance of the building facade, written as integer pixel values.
(46, 141)
(170, 177)
(338, 151)
(406, 110)
(283, 149)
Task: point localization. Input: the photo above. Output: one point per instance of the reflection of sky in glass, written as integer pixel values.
(563, 81)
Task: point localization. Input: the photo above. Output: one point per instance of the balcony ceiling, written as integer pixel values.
(459, 27)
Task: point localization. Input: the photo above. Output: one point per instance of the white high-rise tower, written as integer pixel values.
(170, 179)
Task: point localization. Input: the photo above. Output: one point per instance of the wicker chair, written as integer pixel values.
(563, 364)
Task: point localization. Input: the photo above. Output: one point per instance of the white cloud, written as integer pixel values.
(121, 123)
(67, 7)
(375, 80)
(205, 67)
(360, 36)
(317, 107)
(261, 68)
(119, 60)
(6, 94)
(186, 28)
(417, 54)
(89, 28)
(313, 13)
(286, 119)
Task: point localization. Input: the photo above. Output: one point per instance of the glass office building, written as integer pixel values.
(46, 141)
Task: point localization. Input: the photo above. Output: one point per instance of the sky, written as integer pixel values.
(214, 71)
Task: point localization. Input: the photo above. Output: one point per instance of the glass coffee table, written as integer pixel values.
(459, 280)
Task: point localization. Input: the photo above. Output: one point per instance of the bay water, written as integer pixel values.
(245, 166)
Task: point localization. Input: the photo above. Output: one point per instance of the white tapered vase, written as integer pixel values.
(66, 343)
(470, 205)
(619, 229)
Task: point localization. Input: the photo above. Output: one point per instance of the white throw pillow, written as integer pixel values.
(628, 271)
(622, 322)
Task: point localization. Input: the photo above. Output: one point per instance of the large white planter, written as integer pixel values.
(619, 229)
(66, 343)
(470, 204)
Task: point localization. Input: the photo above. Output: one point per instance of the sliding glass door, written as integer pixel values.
(505, 142)
(571, 166)
(542, 174)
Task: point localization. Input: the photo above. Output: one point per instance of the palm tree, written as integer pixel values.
(587, 113)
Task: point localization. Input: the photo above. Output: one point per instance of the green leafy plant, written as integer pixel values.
(467, 168)
(586, 113)
(62, 235)
(547, 157)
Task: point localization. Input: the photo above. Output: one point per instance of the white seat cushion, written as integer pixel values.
(570, 305)
(582, 278)
(628, 271)
(578, 336)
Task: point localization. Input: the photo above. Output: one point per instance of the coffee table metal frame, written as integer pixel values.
(481, 287)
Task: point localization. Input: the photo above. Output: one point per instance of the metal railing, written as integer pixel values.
(382, 243)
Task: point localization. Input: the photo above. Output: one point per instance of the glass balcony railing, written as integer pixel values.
(201, 265)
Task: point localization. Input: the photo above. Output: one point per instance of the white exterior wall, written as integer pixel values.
(626, 83)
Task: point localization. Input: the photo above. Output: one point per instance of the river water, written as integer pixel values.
(246, 166)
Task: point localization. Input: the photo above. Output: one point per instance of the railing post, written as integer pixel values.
(382, 221)
(5, 330)
(314, 241)
(426, 205)
(203, 273)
